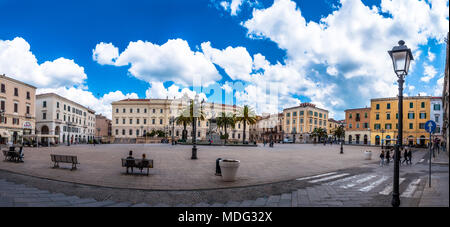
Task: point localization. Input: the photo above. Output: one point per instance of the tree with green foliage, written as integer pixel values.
(319, 133)
(226, 120)
(246, 115)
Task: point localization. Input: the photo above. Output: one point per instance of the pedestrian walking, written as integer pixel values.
(388, 157)
(264, 141)
(382, 158)
(410, 156)
(405, 156)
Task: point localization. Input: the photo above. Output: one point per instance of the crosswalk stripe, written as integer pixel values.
(411, 189)
(389, 188)
(342, 180)
(358, 182)
(374, 184)
(421, 160)
(328, 178)
(311, 177)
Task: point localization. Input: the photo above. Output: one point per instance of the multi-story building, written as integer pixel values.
(436, 114)
(384, 120)
(357, 129)
(66, 120)
(445, 100)
(103, 126)
(332, 125)
(134, 118)
(300, 121)
(17, 115)
(268, 127)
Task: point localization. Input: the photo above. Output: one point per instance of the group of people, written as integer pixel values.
(385, 156)
(437, 145)
(131, 162)
(271, 142)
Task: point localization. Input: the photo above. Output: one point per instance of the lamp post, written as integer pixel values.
(172, 120)
(382, 138)
(142, 133)
(342, 142)
(401, 58)
(68, 132)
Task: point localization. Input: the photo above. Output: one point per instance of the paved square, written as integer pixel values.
(174, 170)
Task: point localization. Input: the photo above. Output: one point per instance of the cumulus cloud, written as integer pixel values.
(232, 6)
(158, 91)
(350, 43)
(172, 61)
(429, 72)
(101, 105)
(17, 61)
(431, 56)
(105, 53)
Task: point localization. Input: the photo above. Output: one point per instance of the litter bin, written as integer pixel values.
(218, 172)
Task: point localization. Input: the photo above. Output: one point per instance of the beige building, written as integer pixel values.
(357, 129)
(17, 116)
(103, 126)
(268, 126)
(66, 120)
(300, 121)
(135, 118)
(332, 125)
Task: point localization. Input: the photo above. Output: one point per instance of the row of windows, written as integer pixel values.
(16, 107)
(310, 121)
(138, 110)
(68, 108)
(294, 114)
(16, 91)
(365, 125)
(4, 120)
(410, 116)
(410, 126)
(358, 116)
(411, 105)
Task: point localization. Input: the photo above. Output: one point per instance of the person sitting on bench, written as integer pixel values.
(130, 161)
(144, 163)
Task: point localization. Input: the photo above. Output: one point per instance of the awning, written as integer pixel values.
(4, 133)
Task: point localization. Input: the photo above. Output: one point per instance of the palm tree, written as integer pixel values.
(247, 115)
(319, 132)
(195, 113)
(226, 120)
(339, 132)
(183, 119)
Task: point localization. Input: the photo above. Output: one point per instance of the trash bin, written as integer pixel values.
(218, 172)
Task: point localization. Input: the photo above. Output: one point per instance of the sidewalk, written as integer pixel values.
(437, 195)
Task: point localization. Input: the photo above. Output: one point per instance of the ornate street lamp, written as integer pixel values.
(342, 142)
(172, 121)
(382, 137)
(401, 58)
(69, 124)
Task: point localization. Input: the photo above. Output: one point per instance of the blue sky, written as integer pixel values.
(303, 53)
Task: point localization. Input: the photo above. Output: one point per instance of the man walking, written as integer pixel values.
(382, 158)
(388, 157)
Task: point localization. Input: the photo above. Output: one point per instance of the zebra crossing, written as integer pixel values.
(365, 182)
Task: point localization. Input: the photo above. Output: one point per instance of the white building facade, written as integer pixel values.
(437, 114)
(67, 120)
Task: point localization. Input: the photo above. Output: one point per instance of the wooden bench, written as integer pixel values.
(12, 156)
(137, 163)
(56, 158)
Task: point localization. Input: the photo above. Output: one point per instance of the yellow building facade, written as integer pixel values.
(384, 120)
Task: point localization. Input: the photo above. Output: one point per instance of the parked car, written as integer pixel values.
(287, 140)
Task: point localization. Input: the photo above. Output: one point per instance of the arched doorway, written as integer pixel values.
(15, 137)
(377, 140)
(350, 139)
(365, 139)
(44, 131)
(410, 140)
(388, 140)
(422, 140)
(57, 131)
(357, 139)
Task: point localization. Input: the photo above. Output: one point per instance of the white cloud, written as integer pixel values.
(236, 62)
(86, 98)
(431, 56)
(429, 72)
(157, 90)
(17, 61)
(172, 61)
(105, 53)
(439, 88)
(352, 41)
(227, 88)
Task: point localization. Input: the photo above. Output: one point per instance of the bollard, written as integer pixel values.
(218, 172)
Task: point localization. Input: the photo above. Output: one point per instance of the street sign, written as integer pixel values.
(430, 126)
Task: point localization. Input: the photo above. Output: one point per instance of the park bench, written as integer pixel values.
(137, 163)
(56, 159)
(12, 155)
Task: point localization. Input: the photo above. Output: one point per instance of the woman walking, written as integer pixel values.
(405, 156)
(382, 158)
(388, 157)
